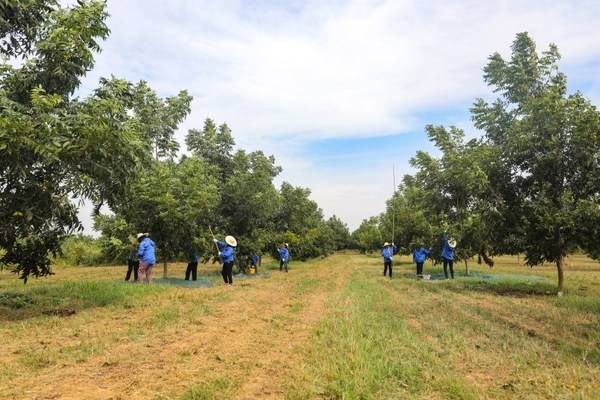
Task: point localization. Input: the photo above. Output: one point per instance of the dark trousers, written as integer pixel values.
(132, 265)
(283, 264)
(227, 272)
(387, 265)
(448, 263)
(419, 268)
(193, 269)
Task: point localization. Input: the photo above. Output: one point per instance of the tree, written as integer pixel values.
(159, 118)
(368, 235)
(341, 234)
(455, 192)
(118, 237)
(52, 146)
(173, 202)
(548, 143)
(213, 144)
(298, 213)
(21, 22)
(55, 147)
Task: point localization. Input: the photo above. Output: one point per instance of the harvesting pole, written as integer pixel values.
(213, 235)
(394, 204)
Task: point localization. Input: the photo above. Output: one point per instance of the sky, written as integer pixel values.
(339, 91)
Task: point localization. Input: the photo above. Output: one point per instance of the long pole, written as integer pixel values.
(394, 205)
(213, 235)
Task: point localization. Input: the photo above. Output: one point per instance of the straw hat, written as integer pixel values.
(230, 240)
(452, 243)
(140, 235)
(386, 244)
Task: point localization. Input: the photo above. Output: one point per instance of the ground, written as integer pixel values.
(333, 328)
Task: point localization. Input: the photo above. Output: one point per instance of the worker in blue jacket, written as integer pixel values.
(448, 255)
(147, 255)
(192, 267)
(388, 252)
(419, 256)
(227, 255)
(254, 261)
(284, 257)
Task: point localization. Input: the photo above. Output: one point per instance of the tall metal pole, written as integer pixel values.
(394, 205)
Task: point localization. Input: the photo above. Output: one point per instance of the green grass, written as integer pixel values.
(216, 389)
(580, 303)
(164, 317)
(365, 350)
(66, 298)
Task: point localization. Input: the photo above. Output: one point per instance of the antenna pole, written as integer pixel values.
(394, 204)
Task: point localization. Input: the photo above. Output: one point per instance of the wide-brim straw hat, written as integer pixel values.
(452, 243)
(230, 240)
(140, 235)
(386, 244)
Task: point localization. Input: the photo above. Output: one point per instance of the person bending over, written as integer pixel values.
(419, 256)
(147, 256)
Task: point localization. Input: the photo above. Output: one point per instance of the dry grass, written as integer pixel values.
(332, 328)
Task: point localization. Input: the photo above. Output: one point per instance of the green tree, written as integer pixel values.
(298, 213)
(455, 190)
(548, 143)
(53, 146)
(173, 202)
(118, 237)
(159, 118)
(368, 235)
(20, 23)
(341, 234)
(213, 144)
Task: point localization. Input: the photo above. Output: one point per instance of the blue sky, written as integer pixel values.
(339, 91)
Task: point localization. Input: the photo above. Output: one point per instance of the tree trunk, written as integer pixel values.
(466, 267)
(559, 266)
(165, 269)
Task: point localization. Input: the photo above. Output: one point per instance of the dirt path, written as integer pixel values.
(243, 345)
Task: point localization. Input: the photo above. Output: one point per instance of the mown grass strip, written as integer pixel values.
(64, 298)
(365, 350)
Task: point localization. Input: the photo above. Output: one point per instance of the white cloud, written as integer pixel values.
(309, 70)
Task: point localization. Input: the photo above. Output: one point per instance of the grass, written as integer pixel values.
(328, 329)
(67, 298)
(216, 389)
(501, 333)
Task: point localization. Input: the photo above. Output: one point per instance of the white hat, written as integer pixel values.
(452, 243)
(230, 240)
(140, 235)
(386, 244)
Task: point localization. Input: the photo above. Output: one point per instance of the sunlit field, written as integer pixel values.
(330, 328)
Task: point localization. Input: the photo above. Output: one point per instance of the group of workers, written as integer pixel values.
(145, 257)
(141, 261)
(420, 254)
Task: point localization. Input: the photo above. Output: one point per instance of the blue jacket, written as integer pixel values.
(388, 252)
(420, 254)
(227, 252)
(447, 251)
(284, 254)
(254, 259)
(194, 257)
(147, 251)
